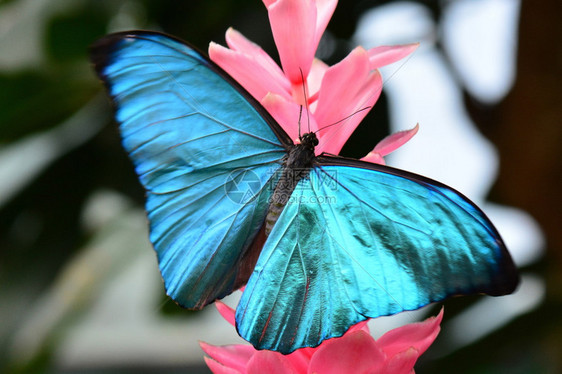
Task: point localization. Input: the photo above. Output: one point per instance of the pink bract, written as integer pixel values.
(338, 97)
(355, 352)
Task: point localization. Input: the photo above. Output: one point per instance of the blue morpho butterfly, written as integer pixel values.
(320, 242)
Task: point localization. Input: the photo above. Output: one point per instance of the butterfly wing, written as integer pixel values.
(360, 240)
(205, 153)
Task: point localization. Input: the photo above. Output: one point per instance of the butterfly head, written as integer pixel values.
(309, 140)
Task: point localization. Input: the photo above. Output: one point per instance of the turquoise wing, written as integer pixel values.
(358, 241)
(205, 152)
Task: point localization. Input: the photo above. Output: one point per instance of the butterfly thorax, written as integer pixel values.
(296, 166)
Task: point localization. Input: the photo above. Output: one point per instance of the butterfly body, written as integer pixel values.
(296, 166)
(324, 241)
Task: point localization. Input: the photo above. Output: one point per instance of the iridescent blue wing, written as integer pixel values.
(203, 151)
(358, 241)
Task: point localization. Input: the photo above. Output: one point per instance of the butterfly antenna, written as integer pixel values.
(300, 116)
(399, 68)
(344, 119)
(305, 101)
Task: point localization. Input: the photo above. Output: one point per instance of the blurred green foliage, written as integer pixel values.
(41, 225)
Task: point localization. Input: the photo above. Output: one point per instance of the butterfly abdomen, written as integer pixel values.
(296, 166)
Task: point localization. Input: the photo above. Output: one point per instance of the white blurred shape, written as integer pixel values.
(23, 26)
(521, 233)
(22, 31)
(480, 36)
(381, 325)
(447, 147)
(462, 330)
(400, 22)
(102, 207)
(130, 15)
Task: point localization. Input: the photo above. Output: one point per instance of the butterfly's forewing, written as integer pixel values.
(203, 153)
(358, 241)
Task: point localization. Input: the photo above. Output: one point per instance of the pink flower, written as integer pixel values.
(355, 352)
(338, 97)
(330, 101)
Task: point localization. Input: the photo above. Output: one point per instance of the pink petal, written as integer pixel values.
(348, 90)
(293, 24)
(386, 55)
(286, 113)
(226, 312)
(217, 368)
(314, 81)
(339, 85)
(233, 356)
(255, 78)
(402, 363)
(419, 335)
(361, 326)
(394, 141)
(236, 41)
(300, 359)
(364, 101)
(353, 353)
(269, 362)
(374, 157)
(325, 10)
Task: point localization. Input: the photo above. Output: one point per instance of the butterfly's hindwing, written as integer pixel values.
(355, 243)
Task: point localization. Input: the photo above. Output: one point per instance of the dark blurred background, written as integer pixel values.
(79, 285)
